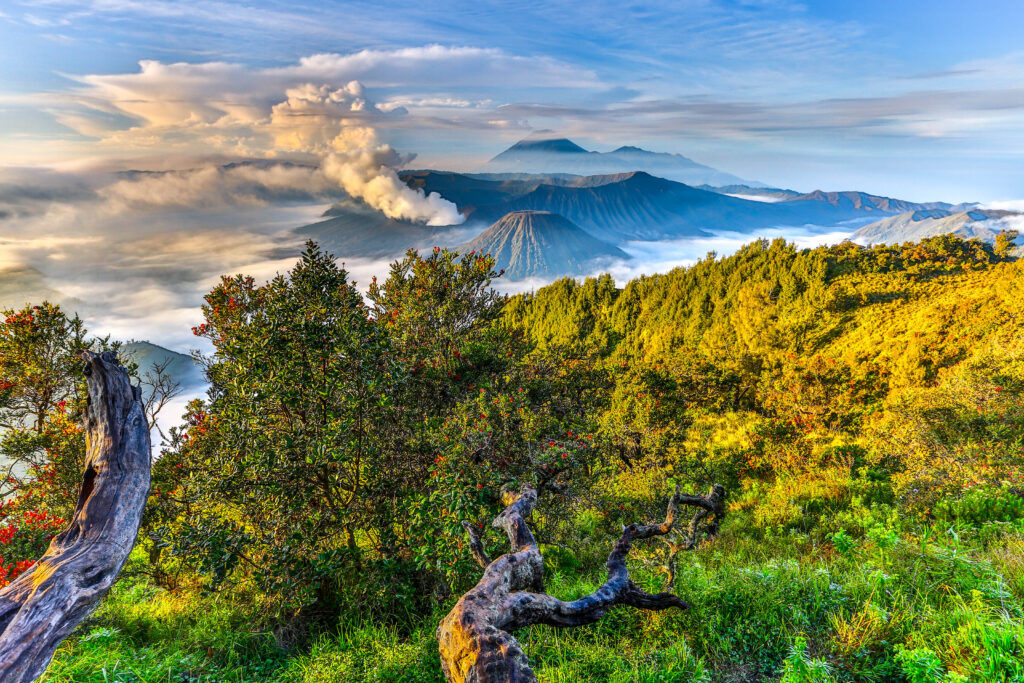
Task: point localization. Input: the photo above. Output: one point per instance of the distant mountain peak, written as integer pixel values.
(545, 144)
(543, 152)
(544, 244)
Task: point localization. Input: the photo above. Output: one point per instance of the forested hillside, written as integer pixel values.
(860, 408)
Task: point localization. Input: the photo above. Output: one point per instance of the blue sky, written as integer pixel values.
(923, 100)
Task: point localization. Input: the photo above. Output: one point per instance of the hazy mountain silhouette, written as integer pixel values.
(542, 152)
(913, 226)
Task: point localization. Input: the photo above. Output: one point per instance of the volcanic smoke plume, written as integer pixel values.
(333, 125)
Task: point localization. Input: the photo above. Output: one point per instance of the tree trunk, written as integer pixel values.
(475, 639)
(45, 604)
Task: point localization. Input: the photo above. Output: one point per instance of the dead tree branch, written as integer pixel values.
(159, 389)
(704, 526)
(45, 604)
(475, 639)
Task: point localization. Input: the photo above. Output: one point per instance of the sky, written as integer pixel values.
(121, 120)
(922, 100)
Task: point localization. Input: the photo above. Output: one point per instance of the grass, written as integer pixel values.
(928, 606)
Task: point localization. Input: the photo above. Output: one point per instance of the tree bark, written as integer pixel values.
(45, 603)
(475, 639)
(704, 525)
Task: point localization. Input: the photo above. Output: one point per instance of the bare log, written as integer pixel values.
(45, 603)
(475, 639)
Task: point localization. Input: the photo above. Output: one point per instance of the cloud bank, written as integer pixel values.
(316, 112)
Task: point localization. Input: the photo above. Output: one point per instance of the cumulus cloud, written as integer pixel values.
(181, 103)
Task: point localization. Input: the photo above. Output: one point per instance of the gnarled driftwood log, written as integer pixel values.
(475, 639)
(40, 608)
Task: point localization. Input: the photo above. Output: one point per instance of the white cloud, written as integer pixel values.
(440, 66)
(167, 101)
(314, 110)
(217, 185)
(1006, 205)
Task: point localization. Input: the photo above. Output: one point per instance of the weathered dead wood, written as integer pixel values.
(704, 525)
(45, 604)
(475, 639)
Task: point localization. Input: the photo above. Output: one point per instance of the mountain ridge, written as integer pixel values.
(913, 226)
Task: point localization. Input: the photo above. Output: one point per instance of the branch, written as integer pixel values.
(710, 506)
(162, 389)
(476, 545)
(475, 639)
(45, 604)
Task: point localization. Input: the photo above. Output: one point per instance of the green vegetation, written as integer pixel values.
(863, 407)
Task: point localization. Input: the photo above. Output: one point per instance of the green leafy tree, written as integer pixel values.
(440, 313)
(39, 363)
(440, 316)
(282, 461)
(43, 445)
(41, 403)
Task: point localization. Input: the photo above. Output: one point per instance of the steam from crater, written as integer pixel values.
(333, 124)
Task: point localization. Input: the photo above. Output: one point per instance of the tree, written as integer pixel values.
(159, 388)
(1005, 242)
(48, 601)
(442, 320)
(39, 363)
(440, 312)
(41, 405)
(280, 460)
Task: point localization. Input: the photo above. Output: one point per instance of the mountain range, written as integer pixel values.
(541, 152)
(912, 226)
(612, 208)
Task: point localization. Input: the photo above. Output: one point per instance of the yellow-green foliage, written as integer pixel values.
(906, 354)
(863, 407)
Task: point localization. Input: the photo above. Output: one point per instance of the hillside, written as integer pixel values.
(179, 366)
(542, 244)
(911, 226)
(912, 309)
(853, 404)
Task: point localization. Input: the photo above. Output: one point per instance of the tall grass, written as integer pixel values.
(936, 604)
